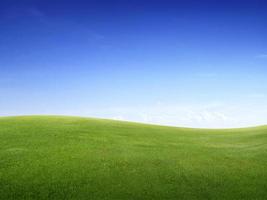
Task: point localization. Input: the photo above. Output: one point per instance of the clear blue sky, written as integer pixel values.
(183, 63)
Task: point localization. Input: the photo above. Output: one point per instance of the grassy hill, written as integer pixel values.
(45, 157)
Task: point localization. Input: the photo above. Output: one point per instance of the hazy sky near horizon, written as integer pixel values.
(182, 63)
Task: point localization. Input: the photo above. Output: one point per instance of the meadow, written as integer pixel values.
(56, 157)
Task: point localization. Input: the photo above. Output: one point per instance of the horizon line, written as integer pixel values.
(128, 121)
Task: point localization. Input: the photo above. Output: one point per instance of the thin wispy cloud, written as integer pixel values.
(262, 55)
(35, 12)
(257, 95)
(19, 12)
(207, 74)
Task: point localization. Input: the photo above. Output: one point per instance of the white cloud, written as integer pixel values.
(213, 115)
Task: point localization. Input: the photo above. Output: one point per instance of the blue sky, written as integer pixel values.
(181, 63)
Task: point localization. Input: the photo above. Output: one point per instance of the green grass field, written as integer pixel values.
(45, 157)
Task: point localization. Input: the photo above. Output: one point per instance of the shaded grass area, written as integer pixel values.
(50, 157)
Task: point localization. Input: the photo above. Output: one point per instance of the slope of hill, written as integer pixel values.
(49, 157)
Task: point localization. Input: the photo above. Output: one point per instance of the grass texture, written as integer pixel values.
(54, 157)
